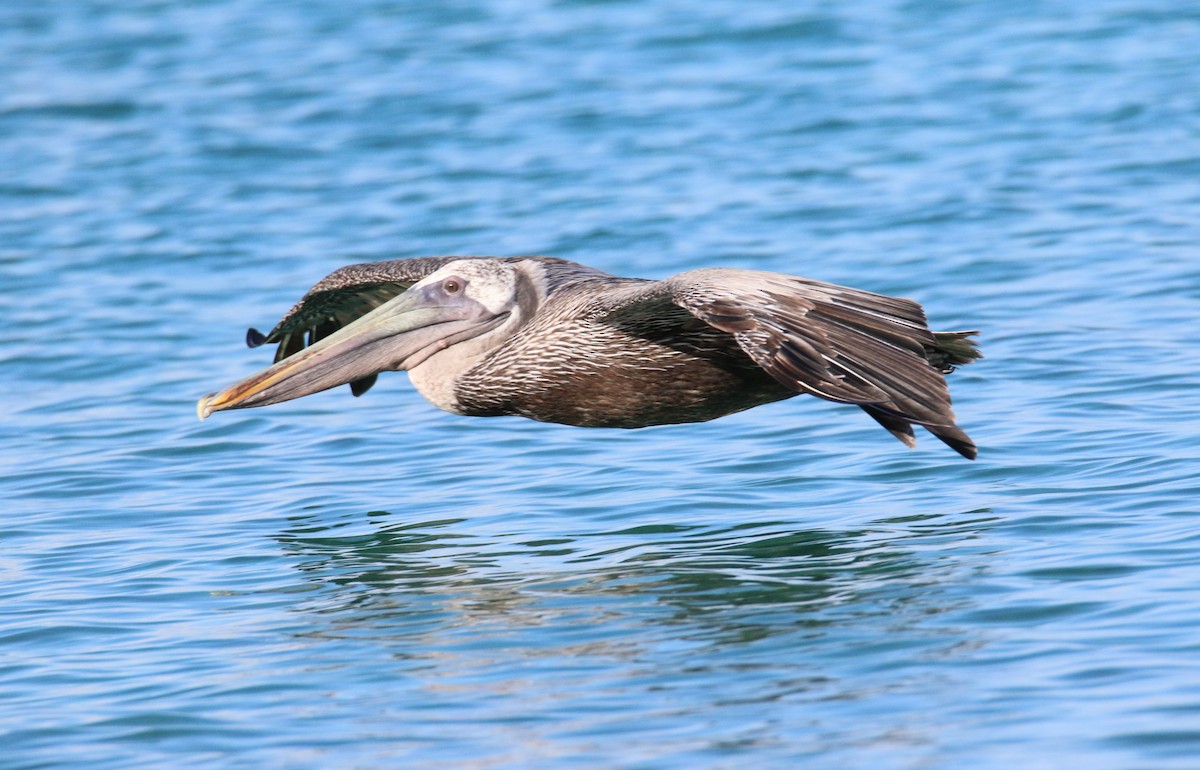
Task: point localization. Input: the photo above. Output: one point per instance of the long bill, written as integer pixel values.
(396, 335)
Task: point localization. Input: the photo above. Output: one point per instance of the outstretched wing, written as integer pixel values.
(835, 342)
(339, 298)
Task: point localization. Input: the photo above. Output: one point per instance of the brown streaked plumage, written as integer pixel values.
(557, 341)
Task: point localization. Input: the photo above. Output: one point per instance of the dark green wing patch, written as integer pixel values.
(339, 298)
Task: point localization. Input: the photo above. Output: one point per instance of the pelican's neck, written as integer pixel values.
(437, 377)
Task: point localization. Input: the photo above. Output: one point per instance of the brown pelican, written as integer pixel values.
(562, 342)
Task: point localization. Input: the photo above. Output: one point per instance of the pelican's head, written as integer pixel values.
(471, 303)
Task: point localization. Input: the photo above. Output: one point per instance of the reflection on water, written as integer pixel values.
(726, 637)
(425, 583)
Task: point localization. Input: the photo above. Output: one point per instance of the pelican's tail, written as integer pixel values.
(952, 349)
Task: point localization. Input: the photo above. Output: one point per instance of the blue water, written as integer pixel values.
(371, 583)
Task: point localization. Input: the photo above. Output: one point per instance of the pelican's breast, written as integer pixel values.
(593, 374)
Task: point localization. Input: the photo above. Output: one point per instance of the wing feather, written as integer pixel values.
(841, 344)
(344, 295)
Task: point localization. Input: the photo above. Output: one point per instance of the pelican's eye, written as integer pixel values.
(452, 285)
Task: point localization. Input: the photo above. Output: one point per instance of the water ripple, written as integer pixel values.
(372, 583)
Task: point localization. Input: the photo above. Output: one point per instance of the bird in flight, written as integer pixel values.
(558, 341)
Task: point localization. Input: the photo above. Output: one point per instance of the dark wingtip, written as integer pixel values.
(358, 387)
(254, 337)
(956, 439)
(897, 426)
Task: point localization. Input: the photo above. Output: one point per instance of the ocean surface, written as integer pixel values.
(372, 583)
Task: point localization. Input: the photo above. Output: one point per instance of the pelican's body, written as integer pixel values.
(561, 342)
